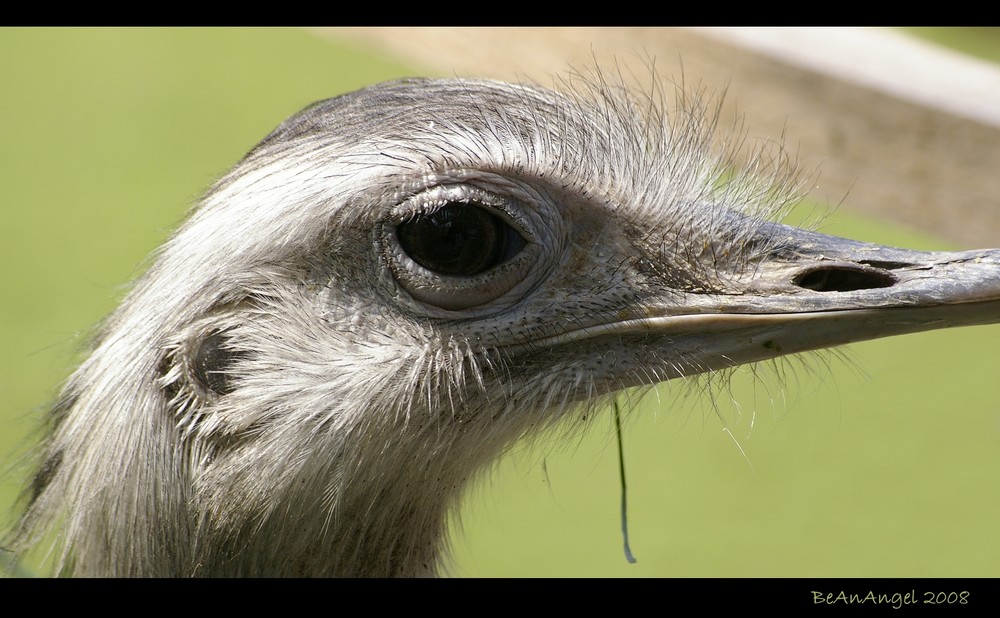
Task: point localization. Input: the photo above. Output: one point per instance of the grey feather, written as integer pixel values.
(287, 391)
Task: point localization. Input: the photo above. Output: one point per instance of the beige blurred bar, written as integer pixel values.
(898, 128)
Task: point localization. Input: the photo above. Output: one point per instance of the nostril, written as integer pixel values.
(842, 278)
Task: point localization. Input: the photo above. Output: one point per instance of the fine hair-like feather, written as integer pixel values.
(296, 388)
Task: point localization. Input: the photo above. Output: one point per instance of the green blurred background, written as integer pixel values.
(879, 463)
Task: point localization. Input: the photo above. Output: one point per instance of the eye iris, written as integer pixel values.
(457, 239)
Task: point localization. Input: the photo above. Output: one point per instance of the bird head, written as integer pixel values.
(397, 284)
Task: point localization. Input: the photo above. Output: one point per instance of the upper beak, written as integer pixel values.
(814, 291)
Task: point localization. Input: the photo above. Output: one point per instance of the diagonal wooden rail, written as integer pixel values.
(898, 127)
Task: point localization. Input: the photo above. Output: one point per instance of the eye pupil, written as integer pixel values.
(458, 239)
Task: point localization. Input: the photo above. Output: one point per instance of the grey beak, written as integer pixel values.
(849, 291)
(814, 291)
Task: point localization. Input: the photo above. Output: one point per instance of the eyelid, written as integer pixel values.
(429, 201)
(518, 205)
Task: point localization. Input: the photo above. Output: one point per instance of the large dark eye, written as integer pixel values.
(459, 239)
(462, 247)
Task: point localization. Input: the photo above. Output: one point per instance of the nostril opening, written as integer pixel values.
(843, 279)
